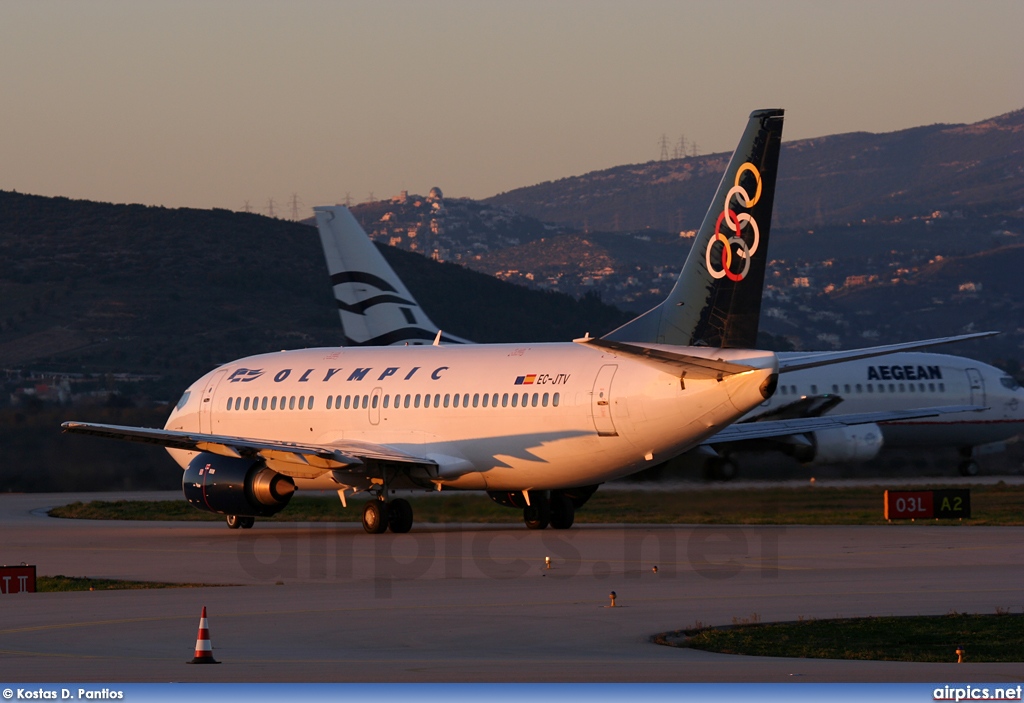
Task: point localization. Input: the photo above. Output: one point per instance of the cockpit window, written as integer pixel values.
(184, 400)
(1009, 382)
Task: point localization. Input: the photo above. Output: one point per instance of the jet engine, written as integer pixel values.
(852, 443)
(231, 486)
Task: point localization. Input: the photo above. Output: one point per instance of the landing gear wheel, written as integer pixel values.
(234, 522)
(538, 515)
(723, 469)
(969, 468)
(399, 516)
(375, 517)
(562, 511)
(247, 522)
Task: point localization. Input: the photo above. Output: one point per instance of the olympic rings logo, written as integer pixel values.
(736, 223)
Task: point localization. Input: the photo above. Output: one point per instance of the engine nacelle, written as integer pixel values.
(852, 443)
(229, 486)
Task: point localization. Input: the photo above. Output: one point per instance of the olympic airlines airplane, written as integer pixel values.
(537, 426)
(376, 308)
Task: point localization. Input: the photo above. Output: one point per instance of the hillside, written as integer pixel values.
(836, 179)
(99, 288)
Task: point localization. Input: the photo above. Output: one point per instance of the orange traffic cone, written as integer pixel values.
(204, 650)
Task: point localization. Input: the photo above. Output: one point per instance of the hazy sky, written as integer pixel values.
(211, 104)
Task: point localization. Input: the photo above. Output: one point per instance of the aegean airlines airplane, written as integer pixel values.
(537, 426)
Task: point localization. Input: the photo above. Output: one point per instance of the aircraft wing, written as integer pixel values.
(797, 362)
(782, 428)
(288, 458)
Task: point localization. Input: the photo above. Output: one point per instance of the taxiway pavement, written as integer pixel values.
(327, 602)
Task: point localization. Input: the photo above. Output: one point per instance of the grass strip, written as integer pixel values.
(984, 638)
(991, 505)
(61, 583)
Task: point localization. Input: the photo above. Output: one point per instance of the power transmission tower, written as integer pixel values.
(270, 207)
(680, 150)
(295, 206)
(664, 147)
(693, 148)
(348, 199)
(372, 199)
(248, 207)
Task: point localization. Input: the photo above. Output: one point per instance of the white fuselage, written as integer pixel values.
(916, 380)
(495, 417)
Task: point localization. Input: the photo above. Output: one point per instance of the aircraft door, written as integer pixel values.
(206, 407)
(977, 386)
(375, 401)
(601, 401)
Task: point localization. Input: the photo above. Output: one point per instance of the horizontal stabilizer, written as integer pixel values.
(781, 428)
(680, 365)
(798, 362)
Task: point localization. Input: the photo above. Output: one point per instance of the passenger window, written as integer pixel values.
(476, 400)
(447, 397)
(536, 396)
(291, 403)
(859, 388)
(942, 388)
(515, 400)
(465, 400)
(302, 402)
(437, 400)
(901, 388)
(881, 388)
(309, 404)
(230, 401)
(366, 402)
(263, 403)
(494, 400)
(273, 403)
(544, 400)
(387, 399)
(416, 403)
(337, 402)
(407, 397)
(376, 399)
(246, 406)
(910, 387)
(348, 401)
(814, 389)
(455, 401)
(783, 390)
(920, 387)
(892, 387)
(525, 400)
(330, 400)
(931, 387)
(554, 400)
(871, 388)
(485, 399)
(504, 400)
(835, 388)
(846, 388)
(792, 389)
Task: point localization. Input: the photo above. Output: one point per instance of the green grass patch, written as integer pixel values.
(984, 638)
(991, 505)
(60, 583)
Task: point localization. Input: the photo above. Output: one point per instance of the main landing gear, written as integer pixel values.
(556, 510)
(968, 466)
(244, 521)
(379, 515)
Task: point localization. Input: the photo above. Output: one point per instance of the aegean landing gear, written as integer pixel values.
(244, 521)
(968, 465)
(723, 468)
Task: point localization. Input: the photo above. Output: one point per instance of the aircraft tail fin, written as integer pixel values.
(375, 306)
(716, 300)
